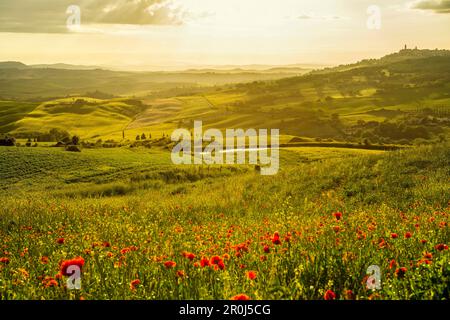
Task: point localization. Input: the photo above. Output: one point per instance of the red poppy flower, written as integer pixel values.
(215, 260)
(336, 229)
(241, 247)
(426, 261)
(51, 283)
(408, 235)
(204, 262)
(276, 238)
(180, 274)
(79, 262)
(189, 255)
(266, 249)
(106, 244)
(428, 255)
(263, 258)
(329, 295)
(134, 284)
(400, 273)
(95, 244)
(361, 235)
(394, 235)
(441, 247)
(24, 252)
(349, 295)
(60, 240)
(4, 260)
(241, 297)
(382, 243)
(392, 264)
(221, 265)
(338, 215)
(125, 251)
(423, 241)
(44, 260)
(170, 264)
(251, 275)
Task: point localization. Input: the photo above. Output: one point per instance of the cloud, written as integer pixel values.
(134, 12)
(437, 6)
(50, 16)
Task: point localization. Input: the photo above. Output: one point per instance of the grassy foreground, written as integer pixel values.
(144, 229)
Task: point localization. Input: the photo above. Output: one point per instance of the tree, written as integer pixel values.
(8, 141)
(138, 138)
(58, 134)
(75, 140)
(66, 140)
(143, 137)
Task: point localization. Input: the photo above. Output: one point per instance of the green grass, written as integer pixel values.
(128, 211)
(136, 198)
(92, 118)
(11, 112)
(58, 167)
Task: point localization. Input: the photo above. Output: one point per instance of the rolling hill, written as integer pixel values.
(21, 82)
(409, 90)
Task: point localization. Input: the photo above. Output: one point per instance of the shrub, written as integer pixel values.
(73, 148)
(75, 140)
(8, 141)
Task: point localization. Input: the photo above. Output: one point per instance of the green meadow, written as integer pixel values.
(363, 183)
(127, 213)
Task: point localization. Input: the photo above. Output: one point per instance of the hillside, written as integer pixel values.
(136, 210)
(21, 82)
(403, 96)
(340, 104)
(402, 55)
(12, 65)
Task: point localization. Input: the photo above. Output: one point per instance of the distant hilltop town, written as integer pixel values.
(406, 48)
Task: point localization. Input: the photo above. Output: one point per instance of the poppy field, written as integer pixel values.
(311, 232)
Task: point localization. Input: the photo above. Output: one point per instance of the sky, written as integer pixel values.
(186, 33)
